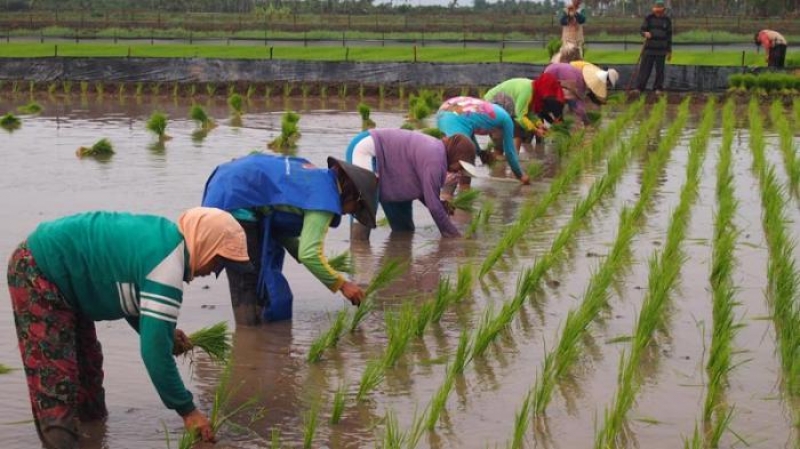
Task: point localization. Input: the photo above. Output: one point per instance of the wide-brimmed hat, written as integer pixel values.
(597, 79)
(366, 183)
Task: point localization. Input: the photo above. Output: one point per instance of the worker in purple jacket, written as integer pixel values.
(411, 166)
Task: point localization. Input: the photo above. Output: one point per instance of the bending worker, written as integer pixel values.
(101, 266)
(287, 204)
(534, 104)
(580, 80)
(774, 46)
(470, 116)
(411, 166)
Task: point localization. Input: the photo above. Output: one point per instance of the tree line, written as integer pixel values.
(684, 8)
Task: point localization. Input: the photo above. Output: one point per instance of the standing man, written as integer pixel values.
(774, 45)
(572, 19)
(657, 31)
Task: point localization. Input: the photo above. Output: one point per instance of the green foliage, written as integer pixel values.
(366, 122)
(310, 422)
(433, 132)
(214, 340)
(553, 45)
(30, 108)
(466, 200)
(342, 262)
(290, 133)
(235, 102)
(199, 115)
(157, 124)
(10, 122)
(4, 369)
(101, 148)
(338, 404)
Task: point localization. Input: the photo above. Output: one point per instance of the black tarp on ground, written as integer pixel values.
(679, 78)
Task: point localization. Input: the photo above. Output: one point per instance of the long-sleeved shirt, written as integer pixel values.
(572, 31)
(571, 76)
(115, 265)
(471, 116)
(660, 29)
(413, 166)
(520, 90)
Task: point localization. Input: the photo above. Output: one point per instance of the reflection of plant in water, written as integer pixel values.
(4, 369)
(199, 115)
(192, 90)
(139, 89)
(211, 89)
(157, 124)
(66, 86)
(199, 135)
(155, 88)
(30, 108)
(31, 87)
(338, 403)
(366, 122)
(290, 133)
(343, 91)
(51, 88)
(231, 89)
(101, 148)
(268, 92)
(14, 87)
(84, 88)
(99, 87)
(251, 90)
(305, 89)
(175, 89)
(323, 91)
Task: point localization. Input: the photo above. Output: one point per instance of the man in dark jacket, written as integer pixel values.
(657, 31)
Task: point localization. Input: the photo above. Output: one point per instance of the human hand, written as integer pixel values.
(197, 423)
(525, 180)
(448, 206)
(181, 343)
(353, 293)
(647, 35)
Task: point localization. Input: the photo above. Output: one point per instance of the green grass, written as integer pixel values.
(360, 54)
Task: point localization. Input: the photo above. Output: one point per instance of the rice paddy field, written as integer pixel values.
(642, 292)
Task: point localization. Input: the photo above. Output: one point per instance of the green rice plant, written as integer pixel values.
(99, 88)
(466, 200)
(155, 89)
(393, 437)
(338, 404)
(476, 220)
(463, 351)
(342, 262)
(192, 90)
(310, 422)
(366, 122)
(14, 87)
(157, 124)
(329, 338)
(399, 330)
(522, 419)
(102, 148)
(66, 87)
(235, 102)
(594, 117)
(381, 92)
(31, 87)
(696, 442)
(30, 108)
(176, 89)
(121, 90)
(139, 89)
(534, 170)
(390, 271)
(51, 89)
(290, 133)
(231, 89)
(323, 91)
(268, 91)
(433, 132)
(251, 90)
(401, 92)
(343, 91)
(84, 88)
(10, 122)
(199, 115)
(275, 440)
(786, 137)
(439, 399)
(371, 377)
(211, 89)
(214, 340)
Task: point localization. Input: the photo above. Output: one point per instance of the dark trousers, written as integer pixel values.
(777, 56)
(646, 66)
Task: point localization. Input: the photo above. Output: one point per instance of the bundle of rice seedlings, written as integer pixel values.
(433, 132)
(594, 117)
(290, 132)
(366, 122)
(466, 200)
(342, 262)
(101, 148)
(30, 108)
(157, 123)
(235, 102)
(10, 122)
(198, 114)
(214, 340)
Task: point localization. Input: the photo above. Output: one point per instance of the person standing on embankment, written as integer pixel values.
(657, 48)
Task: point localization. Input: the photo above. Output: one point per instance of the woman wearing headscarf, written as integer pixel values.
(411, 166)
(580, 80)
(473, 116)
(100, 266)
(288, 204)
(533, 104)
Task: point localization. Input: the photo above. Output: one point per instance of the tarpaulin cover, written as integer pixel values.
(678, 77)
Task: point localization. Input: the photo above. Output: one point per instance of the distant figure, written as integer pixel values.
(657, 31)
(572, 20)
(774, 45)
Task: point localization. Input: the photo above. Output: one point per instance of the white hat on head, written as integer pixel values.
(596, 80)
(613, 76)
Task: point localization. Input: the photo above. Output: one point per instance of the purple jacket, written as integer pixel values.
(413, 166)
(567, 72)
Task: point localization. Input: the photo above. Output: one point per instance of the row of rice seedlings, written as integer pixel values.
(558, 363)
(720, 360)
(290, 133)
(665, 267)
(101, 149)
(782, 273)
(534, 210)
(790, 160)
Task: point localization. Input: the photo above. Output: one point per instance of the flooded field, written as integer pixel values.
(492, 369)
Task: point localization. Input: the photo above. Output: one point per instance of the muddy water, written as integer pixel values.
(41, 179)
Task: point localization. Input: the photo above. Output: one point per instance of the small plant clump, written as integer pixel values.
(236, 103)
(199, 115)
(366, 122)
(290, 133)
(157, 124)
(10, 122)
(101, 148)
(30, 108)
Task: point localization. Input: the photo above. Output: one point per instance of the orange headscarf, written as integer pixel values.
(210, 232)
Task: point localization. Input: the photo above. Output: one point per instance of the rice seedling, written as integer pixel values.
(235, 102)
(343, 91)
(199, 115)
(361, 91)
(31, 87)
(155, 89)
(439, 399)
(466, 200)
(176, 90)
(157, 124)
(231, 88)
(399, 329)
(84, 88)
(310, 422)
(101, 148)
(337, 408)
(786, 137)
(51, 89)
(14, 87)
(99, 88)
(328, 338)
(30, 108)
(268, 91)
(251, 90)
(139, 89)
(342, 262)
(10, 122)
(433, 132)
(192, 90)
(664, 270)
(534, 170)
(366, 122)
(393, 437)
(121, 90)
(66, 87)
(370, 378)
(522, 419)
(290, 133)
(214, 340)
(401, 92)
(211, 89)
(323, 91)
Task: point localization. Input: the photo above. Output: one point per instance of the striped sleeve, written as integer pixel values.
(162, 291)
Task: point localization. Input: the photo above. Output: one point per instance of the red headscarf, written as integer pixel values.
(546, 86)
